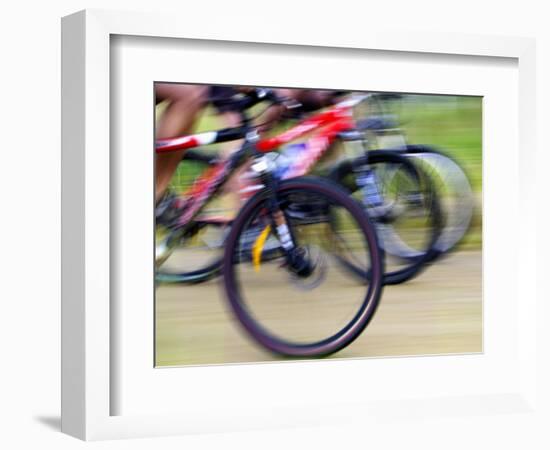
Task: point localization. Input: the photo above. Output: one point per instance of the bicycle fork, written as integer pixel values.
(297, 260)
(296, 257)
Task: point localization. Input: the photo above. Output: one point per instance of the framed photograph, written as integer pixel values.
(268, 230)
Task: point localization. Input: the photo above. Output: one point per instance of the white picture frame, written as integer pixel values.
(87, 328)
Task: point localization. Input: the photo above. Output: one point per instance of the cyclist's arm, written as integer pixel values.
(307, 99)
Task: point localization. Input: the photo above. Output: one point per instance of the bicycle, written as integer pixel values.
(301, 258)
(334, 125)
(450, 180)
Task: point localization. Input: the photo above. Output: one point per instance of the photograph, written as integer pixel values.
(307, 223)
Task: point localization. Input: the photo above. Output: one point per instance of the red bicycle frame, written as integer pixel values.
(336, 119)
(324, 126)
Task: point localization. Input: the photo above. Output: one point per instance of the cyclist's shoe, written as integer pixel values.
(168, 210)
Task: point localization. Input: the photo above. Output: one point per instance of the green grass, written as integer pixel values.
(452, 123)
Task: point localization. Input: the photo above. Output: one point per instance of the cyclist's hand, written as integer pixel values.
(271, 117)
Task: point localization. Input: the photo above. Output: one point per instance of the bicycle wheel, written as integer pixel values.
(403, 205)
(195, 257)
(282, 308)
(454, 191)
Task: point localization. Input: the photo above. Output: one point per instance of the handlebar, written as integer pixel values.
(246, 100)
(241, 102)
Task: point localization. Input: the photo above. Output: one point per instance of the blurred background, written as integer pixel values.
(438, 312)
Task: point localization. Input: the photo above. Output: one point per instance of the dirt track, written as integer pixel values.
(438, 312)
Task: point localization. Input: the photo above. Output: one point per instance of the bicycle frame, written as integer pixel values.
(326, 126)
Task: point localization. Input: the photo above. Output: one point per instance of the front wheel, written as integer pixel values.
(302, 303)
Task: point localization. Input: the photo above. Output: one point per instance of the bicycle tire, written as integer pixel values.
(186, 273)
(233, 290)
(458, 218)
(183, 272)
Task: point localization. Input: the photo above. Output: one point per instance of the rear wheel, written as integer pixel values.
(195, 257)
(454, 191)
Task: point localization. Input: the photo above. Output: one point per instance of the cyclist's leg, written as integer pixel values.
(185, 104)
(237, 189)
(233, 184)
